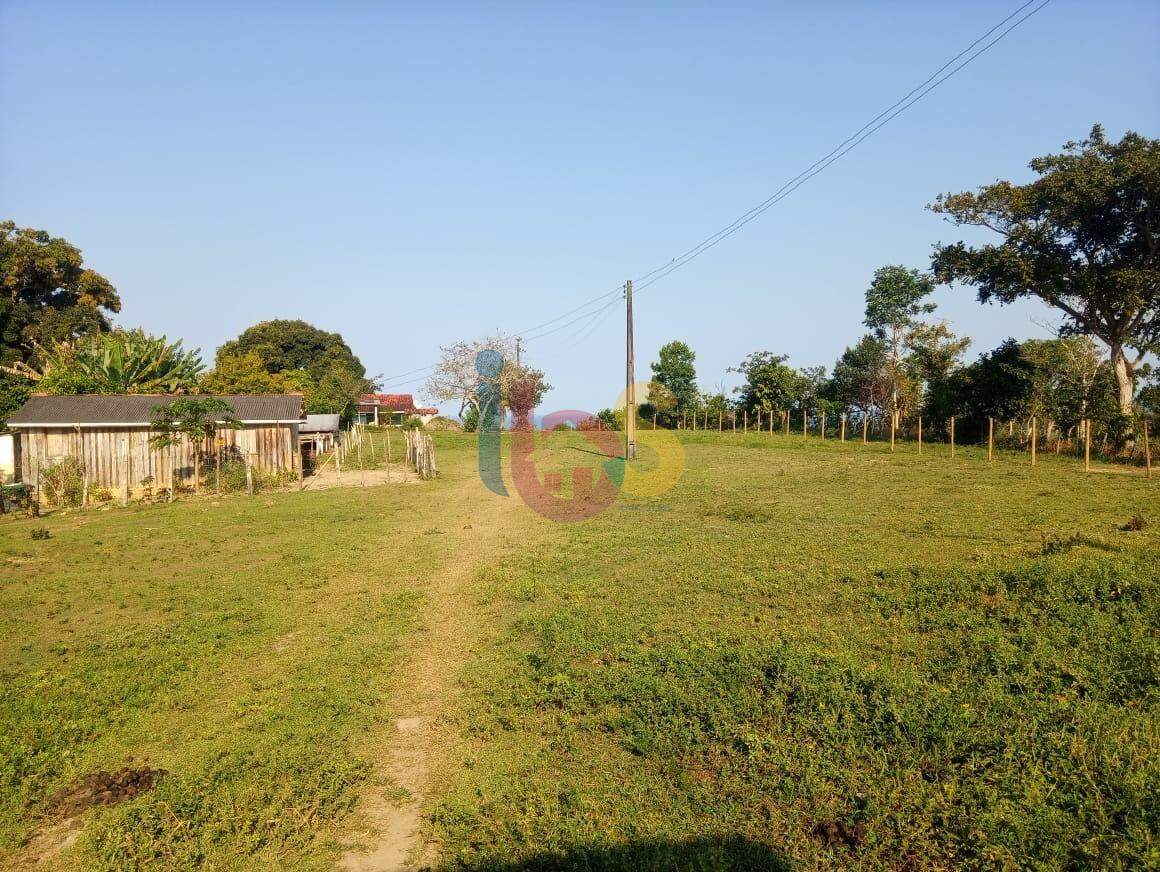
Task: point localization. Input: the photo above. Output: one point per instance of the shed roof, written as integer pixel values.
(95, 410)
(320, 424)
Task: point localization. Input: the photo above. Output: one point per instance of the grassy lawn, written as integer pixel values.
(803, 654)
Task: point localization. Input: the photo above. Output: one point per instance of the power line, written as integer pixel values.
(934, 80)
(848, 145)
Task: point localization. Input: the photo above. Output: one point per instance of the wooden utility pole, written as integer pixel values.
(630, 387)
(520, 342)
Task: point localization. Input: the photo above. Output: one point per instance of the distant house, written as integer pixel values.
(319, 433)
(110, 434)
(381, 409)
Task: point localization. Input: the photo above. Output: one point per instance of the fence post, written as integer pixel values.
(787, 422)
(1034, 433)
(843, 433)
(805, 423)
(893, 425)
(1087, 444)
(249, 475)
(990, 439)
(920, 434)
(1147, 450)
(745, 417)
(952, 435)
(125, 474)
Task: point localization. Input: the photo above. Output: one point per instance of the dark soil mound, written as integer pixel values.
(103, 788)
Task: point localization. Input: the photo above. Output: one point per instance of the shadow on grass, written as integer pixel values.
(725, 853)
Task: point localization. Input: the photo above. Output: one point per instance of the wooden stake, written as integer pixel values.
(823, 425)
(720, 420)
(805, 424)
(1147, 451)
(1087, 445)
(745, 414)
(952, 435)
(865, 426)
(654, 420)
(125, 473)
(920, 434)
(893, 425)
(734, 422)
(249, 476)
(843, 429)
(990, 439)
(787, 422)
(1034, 426)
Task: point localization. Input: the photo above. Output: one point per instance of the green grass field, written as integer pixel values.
(803, 655)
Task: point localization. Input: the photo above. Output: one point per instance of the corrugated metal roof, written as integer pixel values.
(96, 409)
(320, 424)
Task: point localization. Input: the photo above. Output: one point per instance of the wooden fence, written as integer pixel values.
(1035, 436)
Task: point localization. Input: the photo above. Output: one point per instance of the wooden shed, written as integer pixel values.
(110, 434)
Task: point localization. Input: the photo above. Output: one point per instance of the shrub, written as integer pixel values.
(63, 482)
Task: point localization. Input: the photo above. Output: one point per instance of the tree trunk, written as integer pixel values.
(197, 467)
(1125, 383)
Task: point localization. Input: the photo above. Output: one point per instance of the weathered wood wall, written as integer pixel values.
(107, 452)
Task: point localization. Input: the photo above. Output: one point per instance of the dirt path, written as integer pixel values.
(425, 686)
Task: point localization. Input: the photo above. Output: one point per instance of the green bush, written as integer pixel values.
(62, 482)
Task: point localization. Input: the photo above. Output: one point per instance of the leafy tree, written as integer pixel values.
(121, 362)
(717, 406)
(894, 306)
(246, 373)
(285, 345)
(193, 418)
(1082, 238)
(860, 378)
(611, 419)
(47, 295)
(658, 401)
(335, 392)
(769, 383)
(674, 370)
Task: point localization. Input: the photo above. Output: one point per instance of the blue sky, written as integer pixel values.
(414, 174)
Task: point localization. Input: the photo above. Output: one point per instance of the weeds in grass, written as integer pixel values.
(1135, 524)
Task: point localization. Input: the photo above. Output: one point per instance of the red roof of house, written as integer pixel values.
(393, 402)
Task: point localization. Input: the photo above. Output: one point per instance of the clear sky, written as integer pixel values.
(413, 174)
